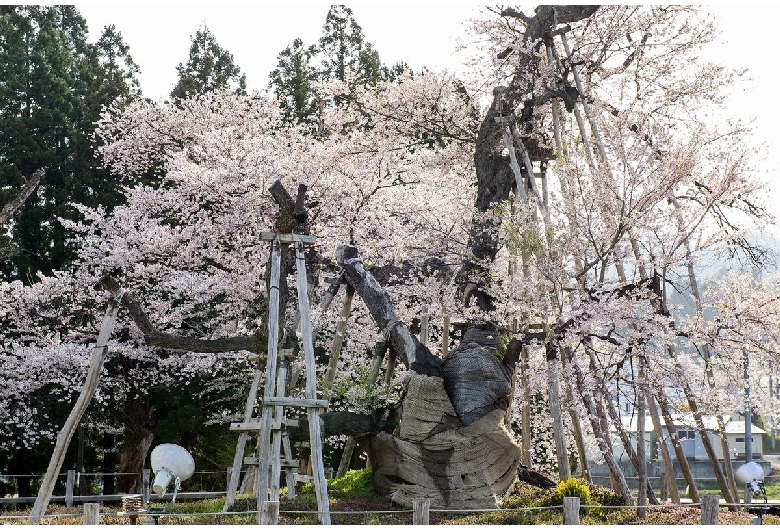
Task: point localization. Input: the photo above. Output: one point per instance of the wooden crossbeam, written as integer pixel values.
(288, 238)
(296, 402)
(284, 462)
(255, 425)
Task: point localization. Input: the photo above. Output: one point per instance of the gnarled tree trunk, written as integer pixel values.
(450, 444)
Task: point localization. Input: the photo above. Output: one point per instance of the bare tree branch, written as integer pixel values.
(16, 204)
(153, 337)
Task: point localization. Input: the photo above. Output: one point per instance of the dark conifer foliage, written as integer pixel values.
(209, 68)
(54, 87)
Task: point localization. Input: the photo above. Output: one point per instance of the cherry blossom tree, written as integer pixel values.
(550, 224)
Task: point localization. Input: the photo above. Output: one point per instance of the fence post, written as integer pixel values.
(571, 510)
(69, 482)
(146, 480)
(271, 512)
(710, 505)
(229, 476)
(422, 509)
(664, 487)
(91, 513)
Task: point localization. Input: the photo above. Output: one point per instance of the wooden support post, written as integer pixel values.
(642, 495)
(74, 418)
(146, 483)
(69, 488)
(338, 339)
(289, 474)
(380, 350)
(312, 413)
(664, 487)
(346, 458)
(271, 512)
(276, 435)
(445, 337)
(579, 438)
(525, 456)
(710, 505)
(669, 485)
(424, 326)
(561, 452)
(571, 510)
(391, 360)
(264, 438)
(238, 458)
(91, 513)
(422, 509)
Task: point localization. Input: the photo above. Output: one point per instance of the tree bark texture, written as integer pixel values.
(17, 202)
(450, 444)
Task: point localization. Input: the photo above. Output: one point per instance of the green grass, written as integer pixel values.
(768, 445)
(771, 483)
(351, 496)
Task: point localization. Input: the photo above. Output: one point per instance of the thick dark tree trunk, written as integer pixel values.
(109, 464)
(137, 441)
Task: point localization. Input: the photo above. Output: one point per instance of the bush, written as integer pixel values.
(605, 497)
(573, 487)
(355, 483)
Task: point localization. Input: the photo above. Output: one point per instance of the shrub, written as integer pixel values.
(573, 487)
(355, 483)
(605, 497)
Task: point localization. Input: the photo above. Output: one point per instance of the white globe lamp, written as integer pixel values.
(170, 462)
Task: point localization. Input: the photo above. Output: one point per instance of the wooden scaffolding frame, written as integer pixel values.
(271, 426)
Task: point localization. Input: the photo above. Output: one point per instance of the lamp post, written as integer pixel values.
(748, 419)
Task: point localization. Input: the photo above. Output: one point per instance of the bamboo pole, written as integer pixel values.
(99, 353)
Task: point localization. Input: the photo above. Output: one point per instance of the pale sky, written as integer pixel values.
(422, 34)
(159, 35)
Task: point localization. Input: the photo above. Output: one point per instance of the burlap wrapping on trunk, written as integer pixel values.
(433, 455)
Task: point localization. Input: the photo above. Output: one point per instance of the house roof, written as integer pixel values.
(738, 427)
(687, 421)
